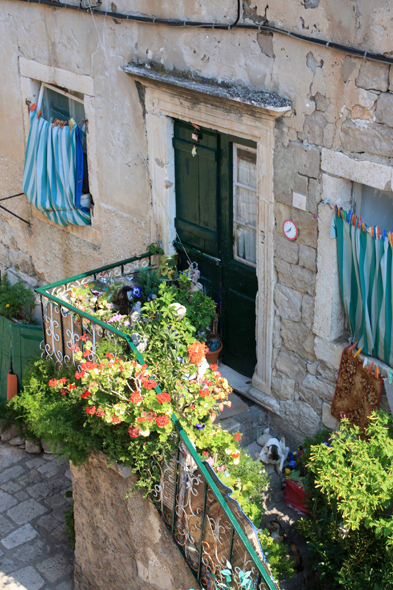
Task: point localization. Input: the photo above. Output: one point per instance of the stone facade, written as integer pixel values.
(341, 119)
(121, 543)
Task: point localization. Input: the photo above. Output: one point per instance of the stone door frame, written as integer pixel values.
(163, 104)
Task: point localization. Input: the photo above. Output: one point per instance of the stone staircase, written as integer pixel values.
(250, 420)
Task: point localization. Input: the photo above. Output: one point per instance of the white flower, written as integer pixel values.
(179, 310)
(145, 432)
(236, 461)
(228, 451)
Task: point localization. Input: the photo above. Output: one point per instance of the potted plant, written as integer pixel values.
(20, 337)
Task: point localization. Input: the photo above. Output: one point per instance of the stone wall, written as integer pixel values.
(340, 103)
(121, 543)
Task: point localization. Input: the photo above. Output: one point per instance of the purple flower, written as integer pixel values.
(127, 324)
(180, 359)
(109, 306)
(199, 426)
(136, 291)
(96, 292)
(115, 318)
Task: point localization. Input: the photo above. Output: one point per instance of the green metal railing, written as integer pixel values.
(187, 495)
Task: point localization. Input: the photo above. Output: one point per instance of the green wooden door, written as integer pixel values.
(208, 206)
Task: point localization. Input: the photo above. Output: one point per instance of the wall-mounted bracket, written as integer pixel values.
(11, 212)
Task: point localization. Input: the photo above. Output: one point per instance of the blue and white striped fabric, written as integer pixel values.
(49, 178)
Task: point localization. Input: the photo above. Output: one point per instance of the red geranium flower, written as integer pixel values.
(83, 338)
(115, 419)
(150, 416)
(204, 392)
(63, 380)
(237, 436)
(109, 355)
(217, 375)
(88, 366)
(86, 353)
(141, 419)
(213, 367)
(63, 391)
(71, 386)
(91, 410)
(196, 352)
(52, 383)
(205, 453)
(235, 455)
(134, 432)
(85, 394)
(149, 383)
(78, 375)
(192, 407)
(163, 398)
(100, 412)
(162, 421)
(74, 347)
(136, 397)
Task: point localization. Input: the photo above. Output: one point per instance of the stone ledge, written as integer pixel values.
(266, 401)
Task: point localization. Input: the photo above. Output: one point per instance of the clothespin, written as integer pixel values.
(357, 352)
(349, 217)
(390, 376)
(353, 346)
(365, 363)
(72, 122)
(371, 366)
(376, 371)
(384, 235)
(54, 123)
(39, 114)
(33, 107)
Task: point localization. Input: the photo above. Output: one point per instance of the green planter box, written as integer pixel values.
(23, 343)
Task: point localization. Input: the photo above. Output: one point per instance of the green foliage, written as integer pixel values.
(248, 480)
(70, 524)
(350, 529)
(16, 301)
(154, 250)
(149, 281)
(201, 309)
(281, 564)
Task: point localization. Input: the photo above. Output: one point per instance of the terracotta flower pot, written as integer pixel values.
(212, 357)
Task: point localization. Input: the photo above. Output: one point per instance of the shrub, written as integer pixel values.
(16, 301)
(351, 527)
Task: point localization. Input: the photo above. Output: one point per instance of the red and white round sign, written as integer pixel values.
(290, 230)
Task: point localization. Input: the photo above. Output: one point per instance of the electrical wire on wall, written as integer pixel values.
(263, 26)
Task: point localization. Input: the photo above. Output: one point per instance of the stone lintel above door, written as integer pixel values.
(167, 97)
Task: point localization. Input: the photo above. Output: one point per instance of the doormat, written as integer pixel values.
(358, 392)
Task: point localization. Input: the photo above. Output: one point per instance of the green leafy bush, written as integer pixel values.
(281, 564)
(351, 527)
(16, 301)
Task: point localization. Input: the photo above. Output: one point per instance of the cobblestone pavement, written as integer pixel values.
(35, 553)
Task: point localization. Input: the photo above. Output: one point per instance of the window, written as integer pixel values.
(62, 104)
(374, 206)
(245, 206)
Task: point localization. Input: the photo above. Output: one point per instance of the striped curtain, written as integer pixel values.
(49, 179)
(365, 268)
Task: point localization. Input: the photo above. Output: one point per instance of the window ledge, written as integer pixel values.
(86, 232)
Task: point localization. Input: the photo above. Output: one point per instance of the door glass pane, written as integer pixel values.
(246, 206)
(246, 244)
(58, 106)
(247, 168)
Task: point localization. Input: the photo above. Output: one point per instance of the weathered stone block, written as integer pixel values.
(26, 263)
(373, 76)
(22, 535)
(292, 365)
(307, 225)
(32, 447)
(300, 184)
(308, 304)
(310, 398)
(16, 441)
(283, 389)
(391, 79)
(288, 302)
(285, 249)
(295, 277)
(318, 387)
(370, 138)
(4, 263)
(314, 126)
(360, 112)
(328, 420)
(298, 338)
(135, 549)
(289, 161)
(384, 112)
(301, 417)
(9, 434)
(308, 257)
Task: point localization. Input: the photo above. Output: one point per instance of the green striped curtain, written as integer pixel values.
(365, 268)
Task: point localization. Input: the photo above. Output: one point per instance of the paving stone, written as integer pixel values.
(69, 585)
(22, 535)
(55, 568)
(58, 513)
(11, 472)
(68, 474)
(60, 533)
(31, 551)
(11, 487)
(9, 456)
(26, 511)
(21, 496)
(34, 463)
(48, 522)
(49, 469)
(7, 565)
(42, 490)
(6, 501)
(6, 526)
(30, 478)
(57, 501)
(28, 578)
